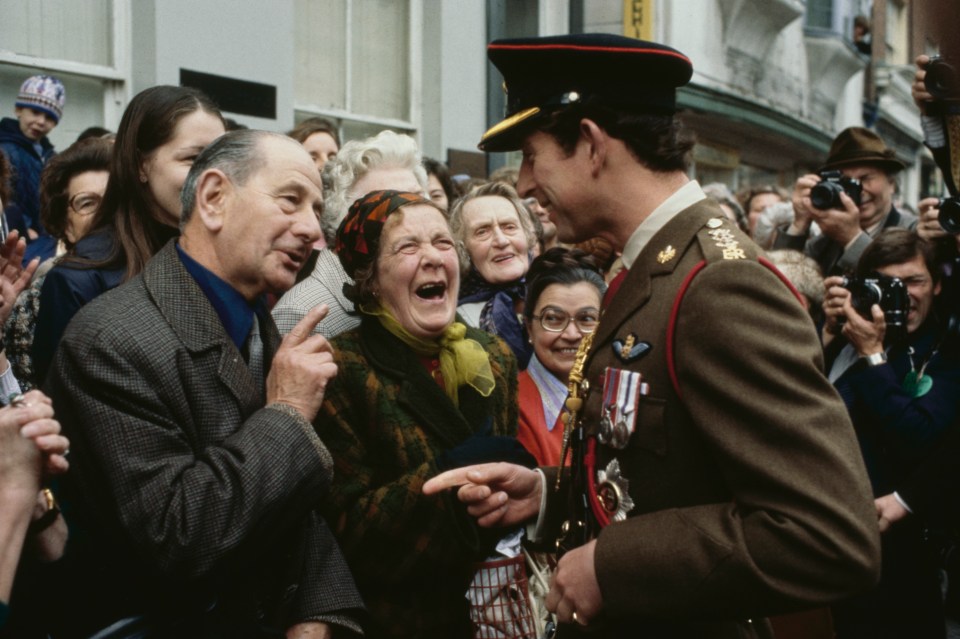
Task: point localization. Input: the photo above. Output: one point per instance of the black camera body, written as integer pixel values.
(942, 81)
(889, 292)
(949, 216)
(826, 193)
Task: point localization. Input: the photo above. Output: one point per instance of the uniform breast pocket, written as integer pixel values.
(650, 432)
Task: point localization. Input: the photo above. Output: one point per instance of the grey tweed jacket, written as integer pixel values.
(323, 286)
(187, 492)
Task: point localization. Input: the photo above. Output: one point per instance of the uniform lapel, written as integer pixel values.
(659, 257)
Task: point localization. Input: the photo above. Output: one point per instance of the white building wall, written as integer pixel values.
(459, 98)
(241, 39)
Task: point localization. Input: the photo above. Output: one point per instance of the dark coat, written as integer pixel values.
(187, 492)
(898, 433)
(66, 289)
(832, 258)
(23, 211)
(385, 421)
(750, 495)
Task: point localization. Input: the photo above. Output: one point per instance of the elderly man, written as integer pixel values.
(716, 478)
(197, 470)
(848, 226)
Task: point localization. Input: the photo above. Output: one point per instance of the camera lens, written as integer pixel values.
(941, 80)
(949, 216)
(826, 195)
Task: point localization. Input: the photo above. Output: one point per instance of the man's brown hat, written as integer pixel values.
(857, 145)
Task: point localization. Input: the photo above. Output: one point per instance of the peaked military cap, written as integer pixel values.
(543, 75)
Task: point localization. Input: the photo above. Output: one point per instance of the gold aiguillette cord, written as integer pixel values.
(574, 402)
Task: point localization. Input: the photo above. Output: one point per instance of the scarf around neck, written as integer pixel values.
(462, 360)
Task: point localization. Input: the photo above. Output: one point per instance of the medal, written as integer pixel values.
(612, 491)
(618, 419)
(917, 384)
(606, 425)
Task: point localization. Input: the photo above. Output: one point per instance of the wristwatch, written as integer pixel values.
(875, 359)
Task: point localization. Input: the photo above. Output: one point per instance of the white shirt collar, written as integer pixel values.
(684, 197)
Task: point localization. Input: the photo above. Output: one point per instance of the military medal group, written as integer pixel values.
(622, 390)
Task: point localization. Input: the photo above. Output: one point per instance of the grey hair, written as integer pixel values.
(804, 273)
(458, 226)
(235, 153)
(387, 149)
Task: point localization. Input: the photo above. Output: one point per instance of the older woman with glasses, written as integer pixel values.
(564, 291)
(71, 190)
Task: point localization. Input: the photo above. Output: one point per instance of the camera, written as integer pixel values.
(826, 193)
(941, 80)
(949, 216)
(889, 292)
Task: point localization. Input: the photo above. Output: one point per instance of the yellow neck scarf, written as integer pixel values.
(462, 361)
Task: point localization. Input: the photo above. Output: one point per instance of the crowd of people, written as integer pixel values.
(275, 385)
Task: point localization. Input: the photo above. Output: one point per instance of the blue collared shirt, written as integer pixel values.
(234, 311)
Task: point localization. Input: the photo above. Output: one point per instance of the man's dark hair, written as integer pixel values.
(896, 246)
(658, 141)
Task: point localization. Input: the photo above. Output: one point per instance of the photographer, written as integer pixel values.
(901, 395)
(862, 165)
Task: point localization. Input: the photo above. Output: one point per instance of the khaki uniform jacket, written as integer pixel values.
(750, 494)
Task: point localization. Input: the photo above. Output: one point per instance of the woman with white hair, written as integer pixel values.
(495, 236)
(387, 160)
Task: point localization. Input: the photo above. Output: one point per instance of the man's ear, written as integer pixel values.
(596, 140)
(214, 189)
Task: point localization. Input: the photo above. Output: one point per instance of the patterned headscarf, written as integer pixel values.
(358, 238)
(462, 360)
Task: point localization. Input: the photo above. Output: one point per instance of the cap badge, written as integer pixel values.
(666, 254)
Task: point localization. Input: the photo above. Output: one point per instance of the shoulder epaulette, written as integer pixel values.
(721, 240)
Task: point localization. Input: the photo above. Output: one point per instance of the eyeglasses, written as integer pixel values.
(556, 321)
(85, 203)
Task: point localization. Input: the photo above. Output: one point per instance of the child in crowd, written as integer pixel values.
(38, 108)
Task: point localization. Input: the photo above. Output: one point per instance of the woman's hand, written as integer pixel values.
(14, 277)
(34, 413)
(497, 494)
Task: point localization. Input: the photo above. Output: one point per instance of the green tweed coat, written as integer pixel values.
(385, 421)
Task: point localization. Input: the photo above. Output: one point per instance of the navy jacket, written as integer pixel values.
(68, 287)
(23, 211)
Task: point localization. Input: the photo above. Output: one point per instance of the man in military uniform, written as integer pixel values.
(718, 480)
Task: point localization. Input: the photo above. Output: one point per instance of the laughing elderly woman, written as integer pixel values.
(416, 392)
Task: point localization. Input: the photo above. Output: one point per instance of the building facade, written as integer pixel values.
(774, 80)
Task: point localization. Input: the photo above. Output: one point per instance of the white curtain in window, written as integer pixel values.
(75, 30)
(320, 43)
(366, 73)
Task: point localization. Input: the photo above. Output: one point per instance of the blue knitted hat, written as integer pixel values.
(43, 93)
